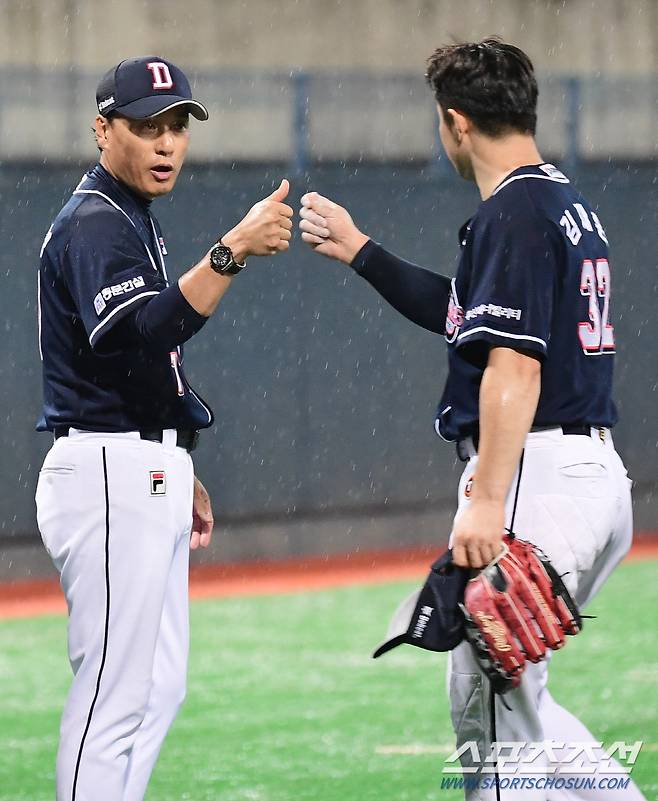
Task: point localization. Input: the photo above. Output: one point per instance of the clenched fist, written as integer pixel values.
(266, 228)
(329, 229)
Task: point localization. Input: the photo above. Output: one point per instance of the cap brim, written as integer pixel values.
(431, 617)
(147, 107)
(399, 626)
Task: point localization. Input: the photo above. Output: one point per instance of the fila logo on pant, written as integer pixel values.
(158, 482)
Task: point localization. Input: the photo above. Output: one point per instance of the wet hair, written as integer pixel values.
(490, 82)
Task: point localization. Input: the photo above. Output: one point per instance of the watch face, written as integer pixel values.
(221, 257)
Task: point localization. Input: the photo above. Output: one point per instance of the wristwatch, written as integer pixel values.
(222, 261)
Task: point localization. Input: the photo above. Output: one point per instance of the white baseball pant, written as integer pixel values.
(115, 515)
(571, 496)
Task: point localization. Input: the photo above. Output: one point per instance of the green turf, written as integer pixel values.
(284, 703)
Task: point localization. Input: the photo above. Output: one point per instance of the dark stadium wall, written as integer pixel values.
(324, 397)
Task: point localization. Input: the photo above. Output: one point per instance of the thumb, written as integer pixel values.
(281, 193)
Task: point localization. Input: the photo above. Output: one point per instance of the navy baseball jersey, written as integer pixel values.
(533, 274)
(101, 261)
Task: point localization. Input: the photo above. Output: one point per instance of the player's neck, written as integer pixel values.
(494, 159)
(125, 186)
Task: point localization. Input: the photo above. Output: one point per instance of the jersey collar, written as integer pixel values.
(545, 171)
(118, 191)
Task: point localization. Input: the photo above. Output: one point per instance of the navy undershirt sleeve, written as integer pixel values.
(417, 293)
(168, 318)
(165, 321)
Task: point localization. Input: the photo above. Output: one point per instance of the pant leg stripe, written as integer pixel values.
(492, 694)
(516, 494)
(492, 710)
(107, 625)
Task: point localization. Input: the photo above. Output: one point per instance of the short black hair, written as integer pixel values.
(490, 82)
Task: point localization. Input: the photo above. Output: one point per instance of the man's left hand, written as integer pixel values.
(477, 534)
(202, 519)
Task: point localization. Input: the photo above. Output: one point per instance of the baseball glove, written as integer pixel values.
(515, 609)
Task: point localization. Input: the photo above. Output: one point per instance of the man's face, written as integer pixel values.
(455, 147)
(146, 155)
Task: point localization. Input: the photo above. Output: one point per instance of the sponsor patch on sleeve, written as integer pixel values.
(99, 304)
(493, 310)
(108, 292)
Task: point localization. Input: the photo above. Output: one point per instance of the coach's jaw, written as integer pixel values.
(145, 155)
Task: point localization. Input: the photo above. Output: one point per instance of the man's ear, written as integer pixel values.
(101, 125)
(458, 123)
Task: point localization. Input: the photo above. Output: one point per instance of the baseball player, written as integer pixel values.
(529, 326)
(118, 504)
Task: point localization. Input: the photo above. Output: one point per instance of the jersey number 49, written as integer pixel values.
(596, 336)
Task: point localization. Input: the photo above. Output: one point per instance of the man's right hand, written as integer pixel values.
(329, 229)
(266, 228)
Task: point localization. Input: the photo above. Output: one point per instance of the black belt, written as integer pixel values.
(583, 431)
(186, 438)
(579, 430)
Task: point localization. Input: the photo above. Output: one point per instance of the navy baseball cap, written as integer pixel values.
(430, 617)
(143, 87)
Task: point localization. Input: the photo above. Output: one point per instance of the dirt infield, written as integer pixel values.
(44, 597)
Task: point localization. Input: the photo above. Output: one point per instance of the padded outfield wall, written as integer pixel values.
(324, 396)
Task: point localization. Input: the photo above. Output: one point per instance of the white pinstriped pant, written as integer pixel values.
(574, 502)
(122, 554)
